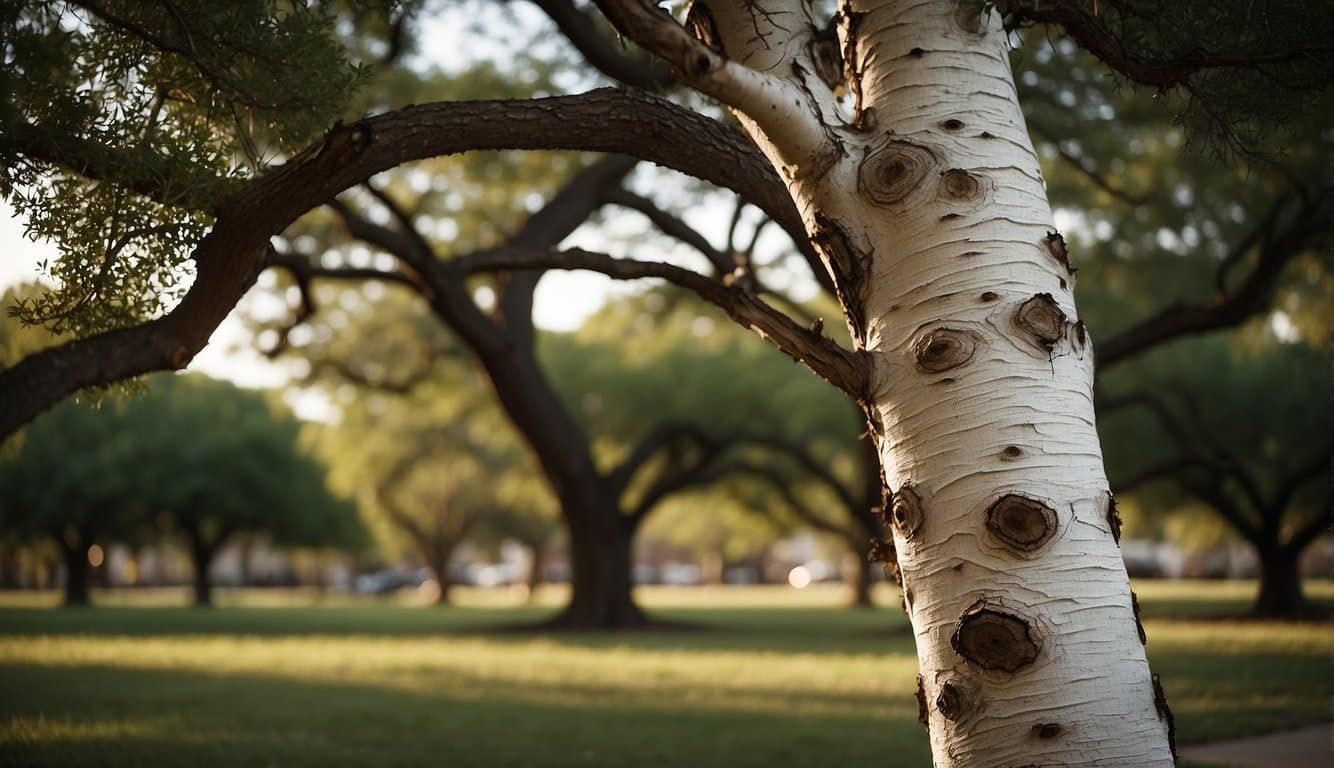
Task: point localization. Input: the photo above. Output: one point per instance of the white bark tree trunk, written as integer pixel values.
(930, 209)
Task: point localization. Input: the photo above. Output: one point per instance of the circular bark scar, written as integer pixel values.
(960, 185)
(1022, 523)
(942, 349)
(1042, 318)
(994, 640)
(892, 172)
(950, 702)
(906, 512)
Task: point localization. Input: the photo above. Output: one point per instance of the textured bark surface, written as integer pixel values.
(929, 207)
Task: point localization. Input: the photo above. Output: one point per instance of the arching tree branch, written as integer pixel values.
(842, 368)
(1089, 29)
(1313, 220)
(232, 254)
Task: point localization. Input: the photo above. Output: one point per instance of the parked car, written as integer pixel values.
(388, 581)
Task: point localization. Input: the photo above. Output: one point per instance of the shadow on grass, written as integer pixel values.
(127, 715)
(803, 629)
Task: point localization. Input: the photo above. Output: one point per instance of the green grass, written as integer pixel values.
(776, 677)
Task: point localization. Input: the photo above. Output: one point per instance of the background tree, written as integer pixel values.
(203, 458)
(792, 443)
(431, 467)
(220, 461)
(883, 193)
(72, 481)
(1251, 458)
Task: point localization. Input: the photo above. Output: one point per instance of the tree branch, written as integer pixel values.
(583, 33)
(659, 437)
(1092, 34)
(701, 468)
(671, 226)
(1303, 536)
(785, 492)
(844, 369)
(232, 253)
(1250, 297)
(1168, 468)
(705, 66)
(1303, 474)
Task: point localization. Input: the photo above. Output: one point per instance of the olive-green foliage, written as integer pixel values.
(660, 356)
(1276, 65)
(168, 104)
(1263, 406)
(1156, 217)
(188, 452)
(436, 456)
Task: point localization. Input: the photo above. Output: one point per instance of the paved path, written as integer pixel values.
(1308, 748)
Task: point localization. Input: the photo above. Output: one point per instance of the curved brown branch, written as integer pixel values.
(1083, 22)
(583, 33)
(844, 369)
(783, 487)
(658, 438)
(231, 255)
(1251, 296)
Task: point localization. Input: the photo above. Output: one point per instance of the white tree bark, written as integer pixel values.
(930, 209)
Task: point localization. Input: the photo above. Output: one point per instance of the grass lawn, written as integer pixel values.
(777, 677)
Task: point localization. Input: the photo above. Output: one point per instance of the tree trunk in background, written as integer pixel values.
(1281, 594)
(247, 547)
(535, 571)
(201, 557)
(601, 584)
(76, 573)
(859, 575)
(10, 568)
(931, 213)
(437, 559)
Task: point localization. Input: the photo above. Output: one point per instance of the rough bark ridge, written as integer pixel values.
(930, 211)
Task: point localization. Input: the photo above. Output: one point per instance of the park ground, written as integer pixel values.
(764, 676)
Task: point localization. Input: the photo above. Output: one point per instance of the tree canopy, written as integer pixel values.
(187, 456)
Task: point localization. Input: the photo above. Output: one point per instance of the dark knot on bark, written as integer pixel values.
(1055, 245)
(960, 185)
(1041, 317)
(905, 512)
(970, 18)
(951, 702)
(994, 640)
(942, 349)
(1021, 523)
(892, 172)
